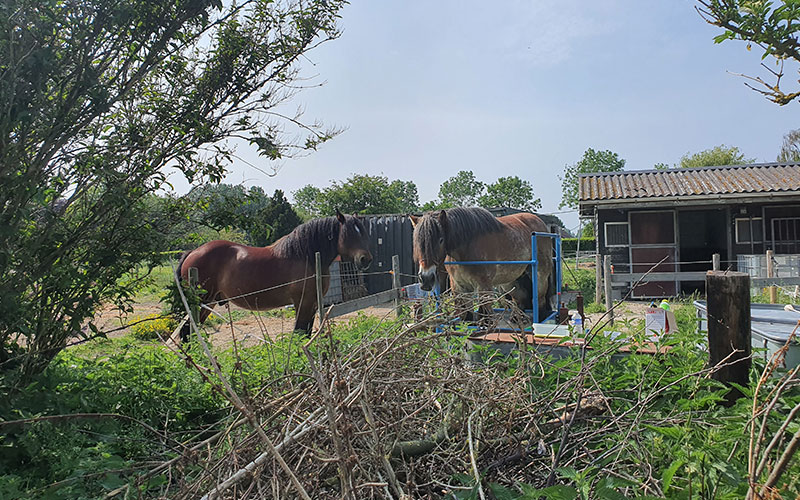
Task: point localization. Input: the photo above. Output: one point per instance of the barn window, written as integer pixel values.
(786, 234)
(749, 230)
(616, 234)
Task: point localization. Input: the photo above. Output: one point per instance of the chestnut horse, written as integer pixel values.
(474, 234)
(258, 278)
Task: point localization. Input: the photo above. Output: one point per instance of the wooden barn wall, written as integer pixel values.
(620, 256)
(389, 235)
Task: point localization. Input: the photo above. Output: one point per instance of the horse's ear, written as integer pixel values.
(443, 220)
(414, 220)
(340, 216)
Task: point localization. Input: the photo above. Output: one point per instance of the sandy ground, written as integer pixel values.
(254, 328)
(249, 328)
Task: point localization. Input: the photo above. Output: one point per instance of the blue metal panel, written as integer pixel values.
(534, 263)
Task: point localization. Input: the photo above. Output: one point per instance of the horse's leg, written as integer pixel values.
(304, 315)
(463, 302)
(205, 312)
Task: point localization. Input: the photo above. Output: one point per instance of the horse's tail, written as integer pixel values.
(181, 259)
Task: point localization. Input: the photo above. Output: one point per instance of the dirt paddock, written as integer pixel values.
(250, 328)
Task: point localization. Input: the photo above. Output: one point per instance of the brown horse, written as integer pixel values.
(474, 234)
(258, 279)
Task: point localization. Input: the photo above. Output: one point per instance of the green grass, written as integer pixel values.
(681, 437)
(150, 283)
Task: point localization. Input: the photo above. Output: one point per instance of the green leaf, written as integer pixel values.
(500, 492)
(557, 492)
(668, 474)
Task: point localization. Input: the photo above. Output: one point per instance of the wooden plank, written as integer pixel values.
(729, 334)
(396, 282)
(760, 282)
(598, 278)
(358, 304)
(633, 277)
(773, 290)
(625, 278)
(607, 282)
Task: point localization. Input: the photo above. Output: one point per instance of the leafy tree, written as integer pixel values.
(98, 100)
(461, 190)
(790, 150)
(306, 201)
(772, 26)
(713, 157)
(261, 218)
(591, 162)
(511, 192)
(405, 195)
(360, 193)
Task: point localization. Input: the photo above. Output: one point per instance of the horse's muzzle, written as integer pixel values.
(363, 261)
(427, 279)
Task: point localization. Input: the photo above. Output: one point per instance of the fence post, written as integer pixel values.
(715, 262)
(607, 283)
(598, 279)
(773, 290)
(194, 279)
(396, 283)
(728, 295)
(318, 274)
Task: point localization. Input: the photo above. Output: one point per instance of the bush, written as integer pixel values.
(579, 279)
(152, 327)
(89, 456)
(570, 245)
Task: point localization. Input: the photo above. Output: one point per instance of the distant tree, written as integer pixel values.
(262, 219)
(772, 26)
(307, 201)
(511, 192)
(588, 231)
(406, 196)
(461, 190)
(790, 150)
(661, 166)
(434, 205)
(281, 216)
(591, 162)
(713, 157)
(361, 194)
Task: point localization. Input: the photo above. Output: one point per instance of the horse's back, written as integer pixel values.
(524, 221)
(208, 256)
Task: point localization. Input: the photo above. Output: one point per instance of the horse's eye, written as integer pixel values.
(441, 241)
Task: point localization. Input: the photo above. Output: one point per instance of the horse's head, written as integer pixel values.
(430, 235)
(353, 241)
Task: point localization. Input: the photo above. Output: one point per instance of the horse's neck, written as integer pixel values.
(459, 253)
(328, 250)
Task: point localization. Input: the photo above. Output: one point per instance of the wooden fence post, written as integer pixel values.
(396, 283)
(729, 334)
(773, 290)
(318, 274)
(194, 279)
(715, 262)
(598, 279)
(607, 283)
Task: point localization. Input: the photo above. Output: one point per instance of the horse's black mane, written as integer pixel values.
(318, 235)
(463, 226)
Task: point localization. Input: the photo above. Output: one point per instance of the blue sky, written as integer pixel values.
(426, 89)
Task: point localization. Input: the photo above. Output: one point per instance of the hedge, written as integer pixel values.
(570, 245)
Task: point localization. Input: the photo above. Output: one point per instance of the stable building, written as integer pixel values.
(671, 222)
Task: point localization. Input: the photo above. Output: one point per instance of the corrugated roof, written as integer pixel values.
(706, 181)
